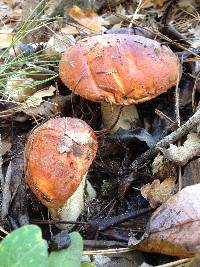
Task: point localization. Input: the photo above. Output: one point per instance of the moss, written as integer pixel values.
(106, 187)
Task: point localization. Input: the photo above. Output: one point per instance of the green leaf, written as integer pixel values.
(24, 247)
(70, 257)
(88, 264)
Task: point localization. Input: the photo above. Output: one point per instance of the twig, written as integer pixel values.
(3, 230)
(175, 263)
(1, 163)
(99, 224)
(173, 34)
(56, 222)
(103, 224)
(166, 141)
(103, 244)
(177, 111)
(168, 13)
(189, 53)
(167, 29)
(178, 121)
(140, 4)
(194, 91)
(108, 251)
(6, 194)
(162, 115)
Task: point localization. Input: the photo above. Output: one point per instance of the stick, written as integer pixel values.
(175, 263)
(166, 141)
(178, 121)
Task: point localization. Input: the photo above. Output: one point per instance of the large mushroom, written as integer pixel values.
(58, 155)
(119, 70)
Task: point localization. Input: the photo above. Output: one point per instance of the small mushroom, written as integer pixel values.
(119, 70)
(58, 155)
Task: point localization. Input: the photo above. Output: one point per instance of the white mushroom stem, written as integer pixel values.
(74, 205)
(126, 119)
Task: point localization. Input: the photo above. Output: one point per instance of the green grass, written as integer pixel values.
(33, 65)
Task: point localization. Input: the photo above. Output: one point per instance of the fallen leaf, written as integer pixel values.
(14, 8)
(174, 228)
(157, 193)
(46, 108)
(160, 3)
(5, 10)
(156, 3)
(162, 168)
(37, 98)
(69, 29)
(19, 88)
(58, 44)
(87, 18)
(6, 37)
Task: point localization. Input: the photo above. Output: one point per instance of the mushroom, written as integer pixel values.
(58, 155)
(119, 70)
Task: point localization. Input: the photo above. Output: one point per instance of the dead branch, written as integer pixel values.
(166, 141)
(146, 157)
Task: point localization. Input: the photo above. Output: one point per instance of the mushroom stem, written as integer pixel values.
(124, 118)
(73, 207)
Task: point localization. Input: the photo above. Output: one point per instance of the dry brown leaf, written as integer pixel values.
(68, 29)
(157, 3)
(158, 193)
(174, 228)
(87, 18)
(37, 98)
(6, 37)
(162, 168)
(47, 108)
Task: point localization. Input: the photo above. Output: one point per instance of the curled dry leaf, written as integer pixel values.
(48, 108)
(174, 228)
(87, 18)
(157, 193)
(37, 98)
(35, 104)
(182, 154)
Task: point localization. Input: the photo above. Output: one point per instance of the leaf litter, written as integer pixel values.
(173, 228)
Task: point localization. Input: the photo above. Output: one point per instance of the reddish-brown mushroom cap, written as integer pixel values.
(57, 156)
(118, 68)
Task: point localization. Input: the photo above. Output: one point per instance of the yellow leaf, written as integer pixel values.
(87, 18)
